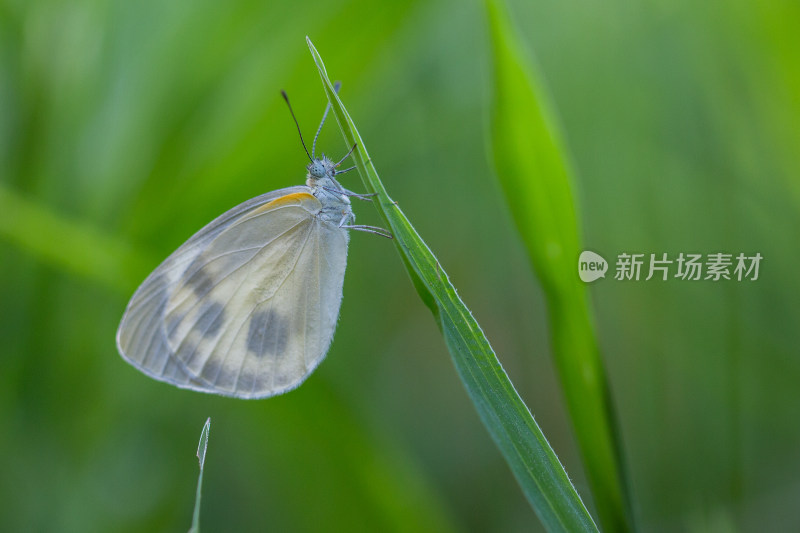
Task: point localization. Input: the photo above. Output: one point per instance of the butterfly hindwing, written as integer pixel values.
(246, 307)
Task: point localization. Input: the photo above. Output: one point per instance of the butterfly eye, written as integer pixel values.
(316, 169)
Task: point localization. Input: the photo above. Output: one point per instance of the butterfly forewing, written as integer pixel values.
(247, 307)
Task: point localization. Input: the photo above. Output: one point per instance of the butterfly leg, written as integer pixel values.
(345, 157)
(370, 229)
(366, 229)
(366, 197)
(343, 171)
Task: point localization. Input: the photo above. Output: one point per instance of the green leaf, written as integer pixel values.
(534, 173)
(506, 417)
(202, 446)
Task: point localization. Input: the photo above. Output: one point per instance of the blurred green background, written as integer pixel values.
(126, 126)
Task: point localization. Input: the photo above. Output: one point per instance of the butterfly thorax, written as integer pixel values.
(335, 203)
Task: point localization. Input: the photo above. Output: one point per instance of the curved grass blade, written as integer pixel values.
(201, 458)
(508, 420)
(535, 176)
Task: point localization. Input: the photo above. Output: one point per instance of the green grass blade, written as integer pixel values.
(201, 458)
(508, 420)
(535, 176)
(67, 244)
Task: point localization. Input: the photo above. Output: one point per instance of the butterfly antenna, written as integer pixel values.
(285, 97)
(324, 116)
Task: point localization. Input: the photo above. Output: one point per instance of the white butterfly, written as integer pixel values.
(248, 305)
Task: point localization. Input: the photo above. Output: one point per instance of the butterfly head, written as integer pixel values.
(320, 169)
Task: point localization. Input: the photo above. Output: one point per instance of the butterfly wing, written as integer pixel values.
(247, 307)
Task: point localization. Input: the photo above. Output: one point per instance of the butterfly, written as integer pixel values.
(247, 307)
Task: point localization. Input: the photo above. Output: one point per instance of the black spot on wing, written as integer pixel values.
(273, 382)
(172, 322)
(268, 333)
(200, 281)
(211, 318)
(246, 380)
(211, 370)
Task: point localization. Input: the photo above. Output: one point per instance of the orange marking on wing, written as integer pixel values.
(295, 198)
